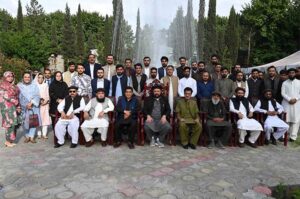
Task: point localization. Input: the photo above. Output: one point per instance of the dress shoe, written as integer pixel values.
(57, 145)
(281, 139)
(192, 146)
(253, 145)
(130, 145)
(117, 144)
(185, 146)
(45, 137)
(103, 143)
(73, 145)
(274, 142)
(242, 145)
(89, 143)
(267, 142)
(291, 140)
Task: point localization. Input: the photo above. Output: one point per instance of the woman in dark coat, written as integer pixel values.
(58, 90)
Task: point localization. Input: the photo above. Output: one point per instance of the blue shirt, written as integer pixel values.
(205, 90)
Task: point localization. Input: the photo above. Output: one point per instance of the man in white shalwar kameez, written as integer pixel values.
(271, 109)
(95, 115)
(187, 81)
(290, 92)
(241, 106)
(70, 109)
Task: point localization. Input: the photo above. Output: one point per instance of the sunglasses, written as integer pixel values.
(72, 91)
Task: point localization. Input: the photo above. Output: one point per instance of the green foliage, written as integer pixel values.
(201, 32)
(68, 41)
(232, 36)
(79, 35)
(20, 21)
(211, 31)
(18, 66)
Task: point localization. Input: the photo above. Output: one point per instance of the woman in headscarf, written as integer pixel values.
(9, 105)
(58, 90)
(30, 101)
(44, 106)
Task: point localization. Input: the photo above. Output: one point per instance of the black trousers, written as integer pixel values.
(129, 126)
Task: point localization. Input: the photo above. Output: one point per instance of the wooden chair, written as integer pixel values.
(81, 139)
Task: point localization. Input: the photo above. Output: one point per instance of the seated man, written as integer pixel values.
(127, 109)
(156, 111)
(188, 116)
(95, 115)
(69, 108)
(271, 109)
(241, 106)
(216, 122)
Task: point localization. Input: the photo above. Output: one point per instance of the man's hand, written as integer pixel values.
(218, 119)
(163, 119)
(250, 115)
(71, 116)
(127, 114)
(19, 110)
(58, 100)
(101, 114)
(293, 101)
(86, 116)
(241, 116)
(149, 119)
(63, 115)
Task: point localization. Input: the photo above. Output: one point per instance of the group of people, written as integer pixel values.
(83, 96)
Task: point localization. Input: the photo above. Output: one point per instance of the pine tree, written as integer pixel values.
(107, 35)
(189, 20)
(79, 35)
(68, 42)
(137, 37)
(201, 30)
(54, 39)
(20, 21)
(211, 32)
(35, 13)
(232, 36)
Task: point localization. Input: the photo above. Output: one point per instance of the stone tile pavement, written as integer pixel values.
(40, 171)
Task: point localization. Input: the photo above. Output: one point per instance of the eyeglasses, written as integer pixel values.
(72, 91)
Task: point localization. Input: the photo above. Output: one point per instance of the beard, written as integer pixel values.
(240, 98)
(292, 78)
(100, 100)
(156, 96)
(224, 76)
(215, 102)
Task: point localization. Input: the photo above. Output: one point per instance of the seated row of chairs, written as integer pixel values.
(172, 136)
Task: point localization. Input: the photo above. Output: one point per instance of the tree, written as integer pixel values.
(201, 30)
(68, 42)
(20, 21)
(232, 36)
(188, 36)
(79, 35)
(107, 38)
(211, 33)
(54, 39)
(117, 39)
(137, 37)
(35, 13)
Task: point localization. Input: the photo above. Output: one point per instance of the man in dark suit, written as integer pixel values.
(162, 71)
(271, 81)
(182, 61)
(138, 80)
(156, 111)
(100, 82)
(119, 82)
(91, 67)
(48, 76)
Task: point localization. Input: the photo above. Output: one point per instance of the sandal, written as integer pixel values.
(32, 140)
(27, 139)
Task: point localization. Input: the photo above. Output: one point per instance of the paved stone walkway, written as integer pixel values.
(40, 171)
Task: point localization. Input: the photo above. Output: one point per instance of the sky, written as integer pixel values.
(154, 12)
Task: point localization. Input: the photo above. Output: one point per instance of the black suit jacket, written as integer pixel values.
(161, 72)
(142, 82)
(88, 69)
(106, 86)
(149, 103)
(180, 72)
(114, 82)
